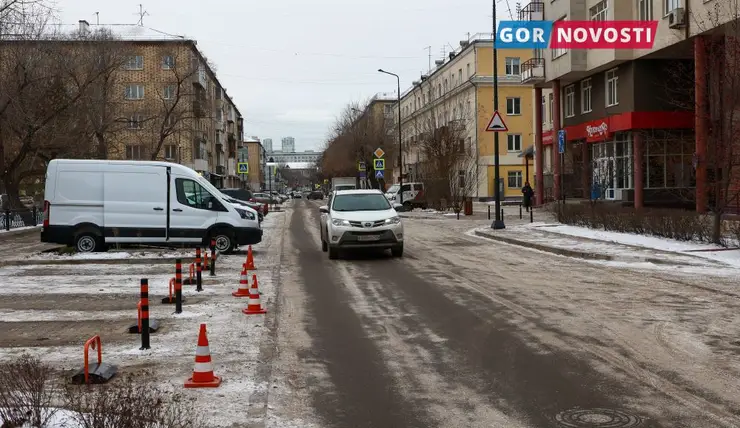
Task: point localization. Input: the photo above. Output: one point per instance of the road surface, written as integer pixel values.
(466, 332)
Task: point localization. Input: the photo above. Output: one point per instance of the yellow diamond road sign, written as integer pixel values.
(379, 152)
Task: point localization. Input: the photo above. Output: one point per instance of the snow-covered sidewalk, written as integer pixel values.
(235, 339)
(593, 244)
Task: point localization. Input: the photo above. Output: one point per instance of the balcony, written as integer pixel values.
(200, 165)
(199, 110)
(231, 167)
(533, 70)
(201, 77)
(533, 11)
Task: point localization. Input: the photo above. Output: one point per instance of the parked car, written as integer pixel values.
(247, 204)
(90, 204)
(297, 195)
(360, 219)
(245, 196)
(264, 198)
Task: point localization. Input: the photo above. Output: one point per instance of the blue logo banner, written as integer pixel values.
(523, 34)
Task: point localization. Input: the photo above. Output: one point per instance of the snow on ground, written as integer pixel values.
(235, 338)
(114, 255)
(18, 228)
(730, 257)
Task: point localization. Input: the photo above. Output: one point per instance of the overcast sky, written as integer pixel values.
(291, 65)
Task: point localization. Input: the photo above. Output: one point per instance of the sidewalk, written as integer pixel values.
(480, 212)
(571, 241)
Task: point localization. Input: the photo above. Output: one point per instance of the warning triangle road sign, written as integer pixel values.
(497, 124)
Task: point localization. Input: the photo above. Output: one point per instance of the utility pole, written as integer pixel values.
(429, 49)
(498, 223)
(142, 13)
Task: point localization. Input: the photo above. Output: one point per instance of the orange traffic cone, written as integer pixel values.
(254, 306)
(250, 259)
(203, 373)
(243, 290)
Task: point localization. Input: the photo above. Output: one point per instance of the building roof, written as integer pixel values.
(301, 165)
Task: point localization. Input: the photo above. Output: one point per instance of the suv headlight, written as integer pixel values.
(393, 220)
(339, 222)
(245, 214)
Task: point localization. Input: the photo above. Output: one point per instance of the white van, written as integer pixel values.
(90, 204)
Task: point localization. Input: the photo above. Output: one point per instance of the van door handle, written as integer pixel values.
(177, 210)
(158, 209)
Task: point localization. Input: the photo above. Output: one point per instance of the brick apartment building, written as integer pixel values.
(633, 133)
(164, 99)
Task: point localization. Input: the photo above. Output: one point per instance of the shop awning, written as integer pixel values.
(529, 151)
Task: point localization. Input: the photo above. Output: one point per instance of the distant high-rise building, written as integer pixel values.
(267, 144)
(288, 145)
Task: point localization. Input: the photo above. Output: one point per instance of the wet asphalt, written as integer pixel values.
(490, 356)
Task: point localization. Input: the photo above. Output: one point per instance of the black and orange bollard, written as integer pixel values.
(206, 262)
(178, 286)
(198, 271)
(213, 257)
(144, 325)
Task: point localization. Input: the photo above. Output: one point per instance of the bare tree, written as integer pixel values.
(718, 109)
(358, 132)
(448, 163)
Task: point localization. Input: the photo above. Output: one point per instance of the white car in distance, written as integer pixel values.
(360, 219)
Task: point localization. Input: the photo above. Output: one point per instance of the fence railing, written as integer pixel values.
(14, 219)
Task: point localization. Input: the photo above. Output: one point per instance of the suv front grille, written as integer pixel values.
(362, 223)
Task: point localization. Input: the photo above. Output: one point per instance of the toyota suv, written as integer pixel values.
(360, 219)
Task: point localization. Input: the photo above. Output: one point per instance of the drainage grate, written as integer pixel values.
(597, 418)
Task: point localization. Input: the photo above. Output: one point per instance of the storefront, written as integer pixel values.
(645, 158)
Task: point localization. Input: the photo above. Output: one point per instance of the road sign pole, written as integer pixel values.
(498, 223)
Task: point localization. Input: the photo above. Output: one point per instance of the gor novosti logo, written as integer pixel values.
(576, 34)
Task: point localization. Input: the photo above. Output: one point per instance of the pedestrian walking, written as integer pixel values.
(527, 194)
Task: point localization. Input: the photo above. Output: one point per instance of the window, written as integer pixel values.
(514, 179)
(362, 202)
(599, 11)
(134, 92)
(552, 104)
(459, 76)
(513, 106)
(544, 110)
(136, 121)
(468, 68)
(514, 142)
(170, 151)
(168, 62)
(133, 152)
(192, 194)
(461, 179)
(612, 88)
(557, 53)
(586, 96)
(513, 66)
(669, 5)
(570, 101)
(134, 63)
(169, 92)
(645, 10)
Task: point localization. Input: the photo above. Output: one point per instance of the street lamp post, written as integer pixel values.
(400, 146)
(498, 222)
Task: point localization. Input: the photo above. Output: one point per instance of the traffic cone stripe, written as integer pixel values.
(203, 351)
(204, 368)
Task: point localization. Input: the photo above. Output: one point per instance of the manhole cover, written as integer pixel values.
(597, 418)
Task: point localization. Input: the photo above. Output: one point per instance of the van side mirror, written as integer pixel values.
(324, 209)
(398, 207)
(210, 205)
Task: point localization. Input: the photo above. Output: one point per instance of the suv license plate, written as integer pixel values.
(365, 238)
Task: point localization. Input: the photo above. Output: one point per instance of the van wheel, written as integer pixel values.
(224, 241)
(87, 242)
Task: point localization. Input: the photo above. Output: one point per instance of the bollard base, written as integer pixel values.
(189, 281)
(153, 327)
(498, 224)
(172, 301)
(98, 373)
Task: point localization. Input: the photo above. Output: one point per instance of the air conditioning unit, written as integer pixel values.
(677, 18)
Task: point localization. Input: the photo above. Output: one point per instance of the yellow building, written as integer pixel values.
(458, 95)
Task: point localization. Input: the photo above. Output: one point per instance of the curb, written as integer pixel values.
(545, 248)
(13, 233)
(131, 261)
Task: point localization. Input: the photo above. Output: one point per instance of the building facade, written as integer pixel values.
(267, 144)
(176, 110)
(256, 157)
(288, 145)
(636, 122)
(288, 157)
(457, 95)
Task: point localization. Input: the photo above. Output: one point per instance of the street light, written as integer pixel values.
(498, 223)
(400, 147)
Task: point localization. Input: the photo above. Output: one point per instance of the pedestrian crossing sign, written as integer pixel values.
(379, 164)
(243, 168)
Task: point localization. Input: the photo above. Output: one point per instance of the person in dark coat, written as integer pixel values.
(527, 194)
